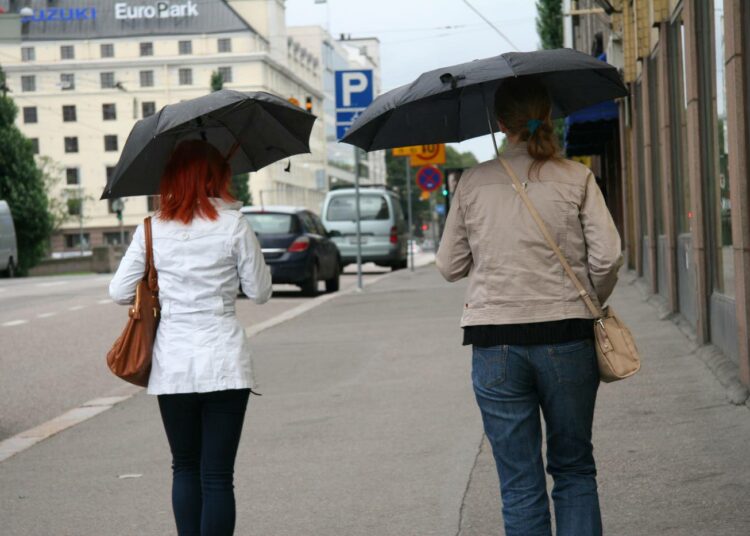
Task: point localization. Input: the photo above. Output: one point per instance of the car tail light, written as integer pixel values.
(394, 235)
(301, 244)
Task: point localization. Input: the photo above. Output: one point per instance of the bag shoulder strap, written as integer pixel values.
(582, 292)
(150, 275)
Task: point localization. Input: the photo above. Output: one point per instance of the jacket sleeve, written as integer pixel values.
(454, 260)
(255, 275)
(131, 270)
(603, 245)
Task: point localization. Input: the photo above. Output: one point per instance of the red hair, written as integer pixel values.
(195, 172)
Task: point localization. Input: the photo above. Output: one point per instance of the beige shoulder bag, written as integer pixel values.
(616, 351)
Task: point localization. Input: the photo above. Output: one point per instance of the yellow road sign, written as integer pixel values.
(429, 155)
(424, 196)
(407, 151)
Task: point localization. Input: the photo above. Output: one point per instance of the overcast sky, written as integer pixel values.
(420, 35)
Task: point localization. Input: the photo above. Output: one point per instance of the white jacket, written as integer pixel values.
(200, 345)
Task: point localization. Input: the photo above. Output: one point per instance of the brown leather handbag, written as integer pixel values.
(130, 356)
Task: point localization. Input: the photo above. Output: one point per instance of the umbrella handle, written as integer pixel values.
(231, 151)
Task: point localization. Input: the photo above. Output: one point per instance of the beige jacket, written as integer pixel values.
(514, 276)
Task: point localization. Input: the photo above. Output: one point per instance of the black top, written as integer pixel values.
(556, 332)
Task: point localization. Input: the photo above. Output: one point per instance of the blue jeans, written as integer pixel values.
(203, 430)
(511, 384)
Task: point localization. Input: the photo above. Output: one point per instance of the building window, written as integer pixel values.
(110, 205)
(147, 78)
(67, 81)
(30, 115)
(67, 52)
(74, 207)
(115, 238)
(110, 170)
(185, 47)
(186, 77)
(28, 83)
(34, 145)
(148, 109)
(225, 44)
(72, 177)
(28, 54)
(69, 113)
(147, 49)
(110, 142)
(109, 112)
(226, 74)
(107, 50)
(74, 240)
(71, 144)
(153, 203)
(107, 80)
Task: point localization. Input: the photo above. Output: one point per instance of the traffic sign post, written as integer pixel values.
(354, 93)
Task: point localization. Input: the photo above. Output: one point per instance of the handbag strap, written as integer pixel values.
(582, 292)
(150, 275)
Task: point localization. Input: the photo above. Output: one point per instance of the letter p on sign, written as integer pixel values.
(354, 89)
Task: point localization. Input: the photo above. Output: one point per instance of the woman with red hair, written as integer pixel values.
(204, 252)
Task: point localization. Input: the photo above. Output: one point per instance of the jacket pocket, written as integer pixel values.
(489, 366)
(573, 362)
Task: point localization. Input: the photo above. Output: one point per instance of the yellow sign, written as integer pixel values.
(424, 196)
(407, 151)
(429, 155)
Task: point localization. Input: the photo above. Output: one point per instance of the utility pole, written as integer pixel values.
(410, 253)
(359, 219)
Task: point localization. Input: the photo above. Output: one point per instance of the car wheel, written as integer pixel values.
(310, 285)
(400, 265)
(11, 271)
(332, 285)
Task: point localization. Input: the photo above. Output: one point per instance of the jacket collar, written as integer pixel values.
(219, 203)
(514, 149)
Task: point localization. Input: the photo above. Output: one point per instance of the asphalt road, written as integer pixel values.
(55, 333)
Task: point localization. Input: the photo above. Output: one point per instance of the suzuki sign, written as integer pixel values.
(52, 14)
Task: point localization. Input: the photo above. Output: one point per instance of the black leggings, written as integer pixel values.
(203, 430)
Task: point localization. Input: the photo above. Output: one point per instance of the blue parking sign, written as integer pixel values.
(354, 92)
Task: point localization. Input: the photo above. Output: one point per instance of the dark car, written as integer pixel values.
(296, 246)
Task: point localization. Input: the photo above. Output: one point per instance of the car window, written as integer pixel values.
(319, 225)
(371, 207)
(307, 222)
(272, 223)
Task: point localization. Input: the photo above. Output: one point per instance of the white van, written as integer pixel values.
(384, 231)
(8, 245)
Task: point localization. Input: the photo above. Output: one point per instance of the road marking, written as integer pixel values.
(51, 284)
(24, 440)
(76, 308)
(14, 323)
(46, 315)
(104, 302)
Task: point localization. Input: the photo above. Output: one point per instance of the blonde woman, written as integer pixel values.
(532, 335)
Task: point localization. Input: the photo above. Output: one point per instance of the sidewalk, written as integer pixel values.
(368, 427)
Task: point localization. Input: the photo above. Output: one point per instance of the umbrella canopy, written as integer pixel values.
(260, 127)
(451, 104)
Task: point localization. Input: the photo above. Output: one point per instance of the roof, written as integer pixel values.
(285, 209)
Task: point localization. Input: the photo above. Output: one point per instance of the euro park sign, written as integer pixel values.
(123, 11)
(159, 10)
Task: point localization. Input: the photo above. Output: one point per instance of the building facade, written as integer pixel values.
(344, 53)
(683, 157)
(84, 73)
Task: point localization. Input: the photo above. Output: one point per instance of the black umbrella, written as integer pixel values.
(451, 104)
(253, 129)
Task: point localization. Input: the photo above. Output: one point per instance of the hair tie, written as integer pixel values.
(533, 124)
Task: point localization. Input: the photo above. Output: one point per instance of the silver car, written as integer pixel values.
(384, 230)
(8, 245)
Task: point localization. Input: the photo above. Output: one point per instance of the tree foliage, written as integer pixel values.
(22, 186)
(241, 189)
(217, 81)
(549, 23)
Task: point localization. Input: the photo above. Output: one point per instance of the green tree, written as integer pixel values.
(549, 23)
(456, 159)
(217, 81)
(241, 188)
(22, 186)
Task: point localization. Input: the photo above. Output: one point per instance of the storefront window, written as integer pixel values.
(640, 170)
(678, 125)
(653, 125)
(719, 186)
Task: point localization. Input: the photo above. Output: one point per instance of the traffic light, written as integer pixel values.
(308, 104)
(445, 191)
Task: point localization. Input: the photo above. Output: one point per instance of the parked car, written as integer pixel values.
(296, 246)
(384, 231)
(8, 244)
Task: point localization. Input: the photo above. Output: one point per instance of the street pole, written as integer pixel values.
(80, 219)
(359, 226)
(411, 221)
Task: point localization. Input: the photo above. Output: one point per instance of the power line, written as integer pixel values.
(488, 21)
